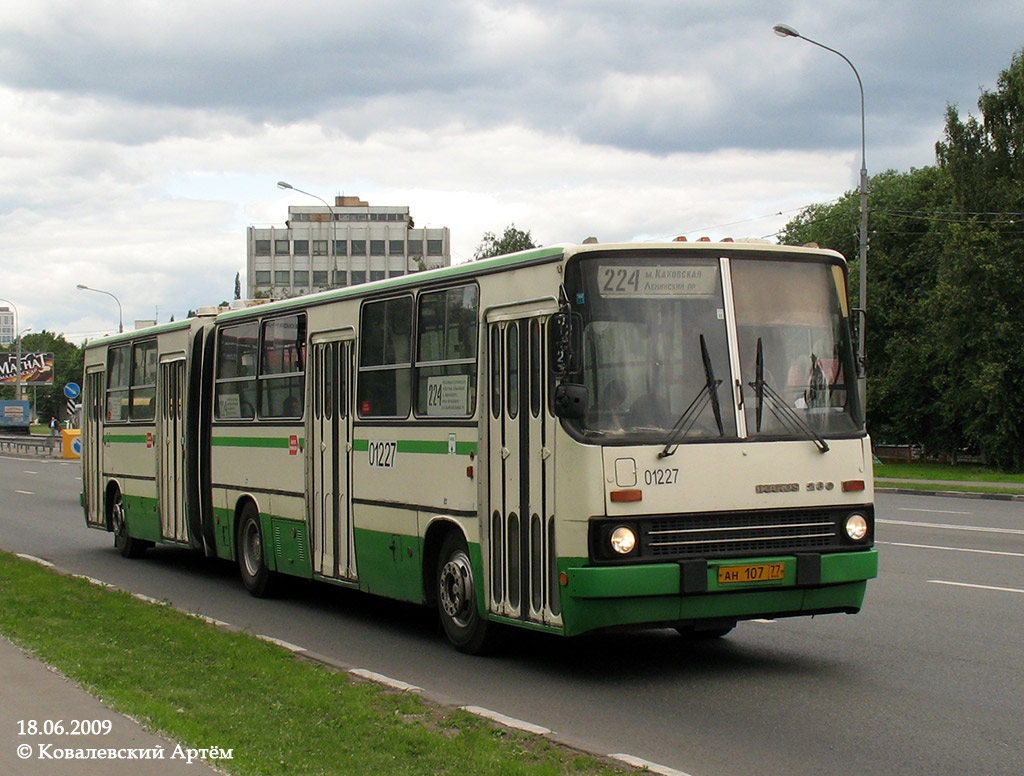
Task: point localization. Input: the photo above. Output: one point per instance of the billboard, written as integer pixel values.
(36, 369)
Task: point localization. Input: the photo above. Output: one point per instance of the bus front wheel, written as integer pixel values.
(463, 624)
(256, 577)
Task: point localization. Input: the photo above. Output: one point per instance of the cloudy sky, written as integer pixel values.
(138, 140)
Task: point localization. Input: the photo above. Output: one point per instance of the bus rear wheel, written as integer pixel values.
(127, 545)
(257, 578)
(463, 624)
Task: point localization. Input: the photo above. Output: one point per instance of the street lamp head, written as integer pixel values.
(785, 31)
(80, 287)
(284, 185)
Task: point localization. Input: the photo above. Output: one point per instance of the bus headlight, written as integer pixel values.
(622, 540)
(856, 526)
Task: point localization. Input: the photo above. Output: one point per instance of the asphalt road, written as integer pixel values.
(926, 680)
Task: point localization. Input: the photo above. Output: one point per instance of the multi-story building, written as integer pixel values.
(352, 242)
(7, 323)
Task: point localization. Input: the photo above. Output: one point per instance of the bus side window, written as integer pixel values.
(282, 367)
(385, 361)
(236, 372)
(118, 380)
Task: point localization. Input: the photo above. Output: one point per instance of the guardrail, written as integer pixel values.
(31, 445)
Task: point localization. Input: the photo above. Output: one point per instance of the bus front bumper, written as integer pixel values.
(672, 593)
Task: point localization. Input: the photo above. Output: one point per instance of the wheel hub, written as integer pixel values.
(456, 589)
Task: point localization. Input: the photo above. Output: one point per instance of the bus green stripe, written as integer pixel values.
(133, 439)
(273, 442)
(425, 447)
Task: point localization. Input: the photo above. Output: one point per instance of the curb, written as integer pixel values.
(951, 494)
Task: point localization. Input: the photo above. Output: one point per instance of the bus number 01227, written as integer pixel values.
(661, 476)
(382, 454)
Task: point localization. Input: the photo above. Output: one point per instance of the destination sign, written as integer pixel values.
(653, 282)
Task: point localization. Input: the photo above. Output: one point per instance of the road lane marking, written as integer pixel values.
(978, 528)
(952, 549)
(25, 492)
(936, 511)
(977, 587)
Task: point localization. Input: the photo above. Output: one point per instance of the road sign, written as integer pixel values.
(72, 390)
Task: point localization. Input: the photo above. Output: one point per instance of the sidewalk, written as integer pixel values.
(32, 697)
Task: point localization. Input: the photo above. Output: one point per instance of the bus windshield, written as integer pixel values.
(656, 355)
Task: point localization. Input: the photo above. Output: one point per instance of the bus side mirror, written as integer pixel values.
(565, 344)
(571, 401)
(859, 324)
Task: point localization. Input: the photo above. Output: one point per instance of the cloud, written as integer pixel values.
(139, 139)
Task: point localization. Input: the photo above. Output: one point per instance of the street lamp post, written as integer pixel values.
(332, 253)
(785, 31)
(17, 355)
(120, 317)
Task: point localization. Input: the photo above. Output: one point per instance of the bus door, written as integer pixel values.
(520, 531)
(330, 426)
(94, 402)
(170, 431)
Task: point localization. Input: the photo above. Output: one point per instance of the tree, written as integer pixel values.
(511, 240)
(977, 308)
(238, 285)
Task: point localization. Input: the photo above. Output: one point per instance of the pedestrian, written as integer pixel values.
(54, 425)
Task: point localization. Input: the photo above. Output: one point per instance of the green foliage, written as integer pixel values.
(511, 240)
(946, 276)
(67, 368)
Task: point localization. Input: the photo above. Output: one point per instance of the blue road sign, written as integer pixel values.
(72, 390)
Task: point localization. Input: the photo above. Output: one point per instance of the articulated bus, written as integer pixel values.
(567, 439)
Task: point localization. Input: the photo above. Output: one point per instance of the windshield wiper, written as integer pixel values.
(777, 405)
(707, 395)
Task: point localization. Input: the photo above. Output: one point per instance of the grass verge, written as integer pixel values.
(942, 471)
(203, 686)
(937, 476)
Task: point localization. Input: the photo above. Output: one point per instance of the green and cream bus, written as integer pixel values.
(566, 439)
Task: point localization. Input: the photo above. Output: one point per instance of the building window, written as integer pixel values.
(385, 361)
(359, 247)
(301, 247)
(341, 247)
(282, 277)
(262, 247)
(340, 278)
(281, 247)
(396, 247)
(377, 274)
(435, 247)
(358, 276)
(319, 278)
(319, 247)
(415, 248)
(262, 277)
(300, 278)
(377, 247)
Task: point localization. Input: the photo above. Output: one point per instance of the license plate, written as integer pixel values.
(759, 572)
